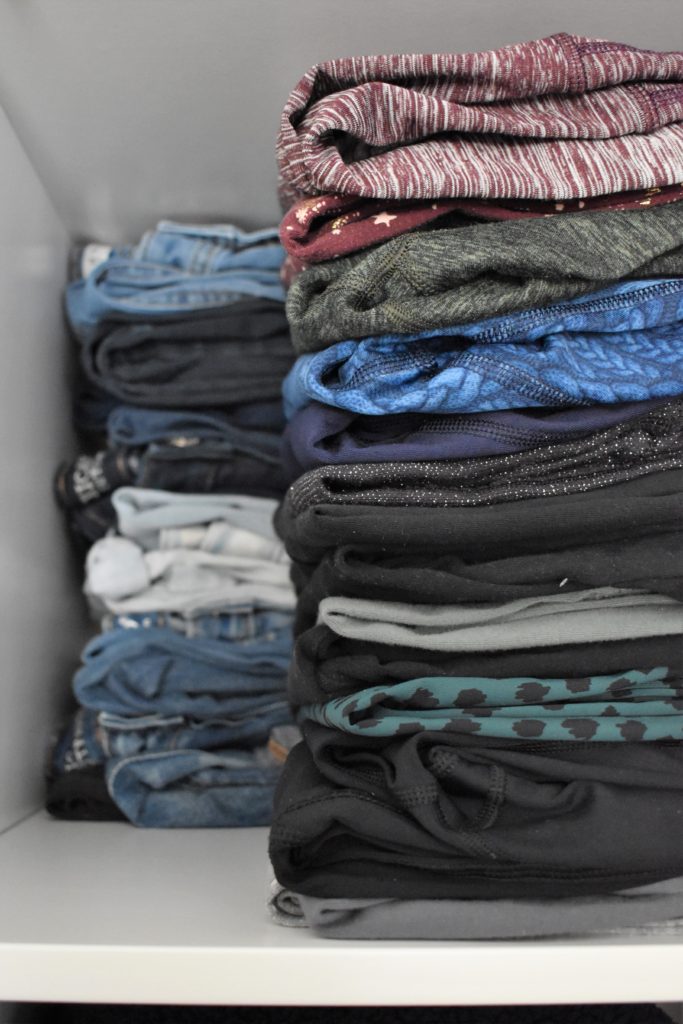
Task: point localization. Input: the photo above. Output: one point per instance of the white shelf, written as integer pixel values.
(109, 913)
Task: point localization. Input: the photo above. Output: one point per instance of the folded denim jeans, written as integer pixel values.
(91, 738)
(239, 624)
(134, 429)
(209, 248)
(122, 579)
(149, 516)
(651, 563)
(197, 248)
(556, 118)
(583, 616)
(204, 467)
(131, 426)
(195, 788)
(629, 707)
(123, 290)
(622, 344)
(320, 435)
(645, 444)
(424, 281)
(239, 355)
(659, 905)
(158, 671)
(436, 815)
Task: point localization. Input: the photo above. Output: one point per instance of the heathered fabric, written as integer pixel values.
(647, 444)
(659, 905)
(326, 227)
(435, 815)
(629, 707)
(320, 435)
(621, 344)
(555, 118)
(584, 616)
(432, 279)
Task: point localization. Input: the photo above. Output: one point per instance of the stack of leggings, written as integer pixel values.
(183, 344)
(485, 272)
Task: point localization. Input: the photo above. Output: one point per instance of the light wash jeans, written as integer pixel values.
(195, 788)
(159, 671)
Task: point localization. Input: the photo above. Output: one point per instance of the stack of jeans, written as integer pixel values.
(183, 346)
(485, 271)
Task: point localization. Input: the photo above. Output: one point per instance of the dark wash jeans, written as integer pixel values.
(185, 465)
(241, 355)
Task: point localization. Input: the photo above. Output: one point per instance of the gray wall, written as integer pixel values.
(136, 109)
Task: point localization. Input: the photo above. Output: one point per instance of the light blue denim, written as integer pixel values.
(209, 248)
(239, 624)
(624, 343)
(131, 427)
(91, 738)
(158, 671)
(125, 290)
(195, 788)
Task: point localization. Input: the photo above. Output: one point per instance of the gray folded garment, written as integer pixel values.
(655, 909)
(430, 279)
(584, 616)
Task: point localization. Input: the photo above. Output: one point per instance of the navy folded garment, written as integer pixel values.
(320, 435)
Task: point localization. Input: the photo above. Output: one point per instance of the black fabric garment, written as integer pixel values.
(87, 523)
(435, 816)
(653, 563)
(322, 435)
(650, 504)
(646, 444)
(81, 795)
(325, 665)
(241, 355)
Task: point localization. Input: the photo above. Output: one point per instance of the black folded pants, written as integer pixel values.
(434, 816)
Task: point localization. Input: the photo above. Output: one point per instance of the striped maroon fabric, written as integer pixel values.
(558, 118)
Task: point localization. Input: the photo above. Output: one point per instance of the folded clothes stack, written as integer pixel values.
(183, 344)
(485, 271)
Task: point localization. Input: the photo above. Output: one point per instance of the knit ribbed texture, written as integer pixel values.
(556, 118)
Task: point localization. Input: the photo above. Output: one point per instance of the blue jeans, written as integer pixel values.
(195, 788)
(131, 427)
(247, 624)
(208, 248)
(622, 344)
(159, 671)
(121, 290)
(91, 738)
